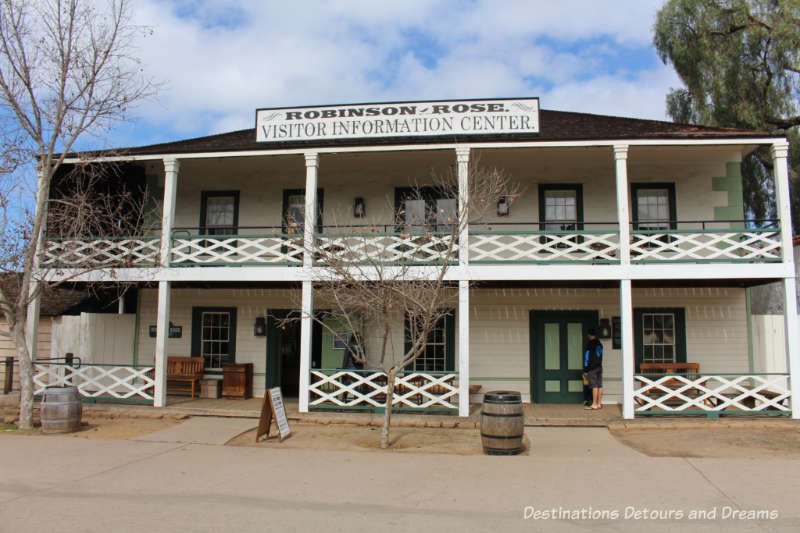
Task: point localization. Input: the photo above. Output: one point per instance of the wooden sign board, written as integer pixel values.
(272, 409)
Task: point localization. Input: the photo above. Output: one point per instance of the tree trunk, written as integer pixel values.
(387, 412)
(25, 377)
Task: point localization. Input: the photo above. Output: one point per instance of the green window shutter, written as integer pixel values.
(197, 313)
(450, 341)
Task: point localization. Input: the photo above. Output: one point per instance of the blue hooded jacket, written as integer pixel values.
(593, 357)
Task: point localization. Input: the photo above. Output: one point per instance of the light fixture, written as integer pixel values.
(260, 327)
(503, 206)
(359, 208)
(604, 329)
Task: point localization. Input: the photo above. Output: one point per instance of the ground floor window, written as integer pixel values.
(438, 355)
(214, 335)
(660, 335)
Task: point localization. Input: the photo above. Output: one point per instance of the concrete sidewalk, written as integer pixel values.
(202, 430)
(100, 486)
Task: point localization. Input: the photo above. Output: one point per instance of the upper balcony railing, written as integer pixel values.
(490, 243)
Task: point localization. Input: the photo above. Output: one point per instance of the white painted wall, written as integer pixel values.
(95, 338)
(500, 331)
(769, 344)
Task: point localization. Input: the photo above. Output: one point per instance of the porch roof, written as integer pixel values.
(554, 126)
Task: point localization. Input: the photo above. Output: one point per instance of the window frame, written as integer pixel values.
(430, 195)
(449, 342)
(577, 187)
(285, 207)
(680, 331)
(197, 332)
(673, 208)
(205, 195)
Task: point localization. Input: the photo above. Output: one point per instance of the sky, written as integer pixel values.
(219, 60)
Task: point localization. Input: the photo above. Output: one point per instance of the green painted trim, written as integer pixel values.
(381, 409)
(299, 263)
(712, 374)
(749, 311)
(712, 414)
(67, 239)
(545, 233)
(136, 325)
(205, 195)
(731, 183)
(707, 261)
(499, 379)
(560, 262)
(775, 229)
(197, 313)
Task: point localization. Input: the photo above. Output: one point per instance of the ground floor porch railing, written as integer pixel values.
(712, 394)
(366, 389)
(98, 381)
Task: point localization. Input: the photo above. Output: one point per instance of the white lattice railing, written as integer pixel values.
(716, 393)
(428, 248)
(211, 250)
(543, 246)
(116, 252)
(367, 389)
(706, 245)
(96, 381)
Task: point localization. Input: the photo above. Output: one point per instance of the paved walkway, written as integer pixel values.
(202, 430)
(91, 486)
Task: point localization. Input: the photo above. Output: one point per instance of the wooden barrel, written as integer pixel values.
(61, 410)
(502, 423)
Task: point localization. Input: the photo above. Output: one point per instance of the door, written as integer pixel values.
(557, 342)
(283, 351)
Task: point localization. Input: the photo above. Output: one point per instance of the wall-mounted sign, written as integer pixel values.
(398, 119)
(175, 332)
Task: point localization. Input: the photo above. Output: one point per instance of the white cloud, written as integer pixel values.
(223, 59)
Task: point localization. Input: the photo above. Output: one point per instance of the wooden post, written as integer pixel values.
(8, 381)
(628, 359)
(306, 322)
(462, 157)
(463, 348)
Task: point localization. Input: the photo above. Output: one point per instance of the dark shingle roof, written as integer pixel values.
(554, 126)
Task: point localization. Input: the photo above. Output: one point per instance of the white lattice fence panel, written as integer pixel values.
(738, 245)
(386, 248)
(217, 250)
(538, 246)
(101, 252)
(674, 392)
(350, 388)
(107, 381)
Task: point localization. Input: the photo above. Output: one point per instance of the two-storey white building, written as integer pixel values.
(633, 226)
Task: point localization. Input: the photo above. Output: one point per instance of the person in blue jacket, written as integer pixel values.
(593, 369)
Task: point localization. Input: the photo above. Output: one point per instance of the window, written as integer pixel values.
(294, 211)
(560, 209)
(439, 352)
(426, 209)
(660, 335)
(214, 335)
(658, 338)
(219, 214)
(654, 206)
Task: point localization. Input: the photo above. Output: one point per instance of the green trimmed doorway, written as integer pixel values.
(557, 342)
(283, 352)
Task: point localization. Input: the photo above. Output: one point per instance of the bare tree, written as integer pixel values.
(374, 280)
(67, 69)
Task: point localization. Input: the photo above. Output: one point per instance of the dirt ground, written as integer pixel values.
(367, 438)
(104, 428)
(728, 443)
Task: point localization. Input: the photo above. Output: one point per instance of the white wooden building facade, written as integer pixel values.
(638, 223)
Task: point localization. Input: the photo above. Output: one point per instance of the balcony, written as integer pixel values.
(496, 243)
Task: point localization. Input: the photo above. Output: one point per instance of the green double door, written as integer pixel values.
(557, 342)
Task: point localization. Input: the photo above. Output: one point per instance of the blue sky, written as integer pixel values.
(220, 60)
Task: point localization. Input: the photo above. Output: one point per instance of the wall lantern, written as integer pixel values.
(260, 327)
(359, 209)
(604, 329)
(503, 206)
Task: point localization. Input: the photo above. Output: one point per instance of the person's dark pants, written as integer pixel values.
(587, 394)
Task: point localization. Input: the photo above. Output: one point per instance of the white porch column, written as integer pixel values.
(32, 317)
(780, 152)
(463, 348)
(171, 167)
(623, 217)
(162, 334)
(625, 291)
(628, 361)
(307, 303)
(462, 157)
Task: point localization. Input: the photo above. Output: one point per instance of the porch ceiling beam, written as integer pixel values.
(499, 272)
(743, 141)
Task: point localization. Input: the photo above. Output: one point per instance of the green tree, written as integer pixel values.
(740, 63)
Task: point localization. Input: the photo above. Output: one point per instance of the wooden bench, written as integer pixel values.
(183, 374)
